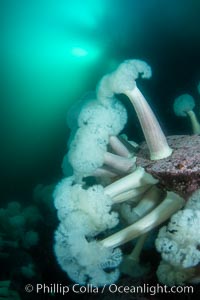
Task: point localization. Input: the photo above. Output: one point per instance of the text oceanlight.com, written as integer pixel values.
(58, 288)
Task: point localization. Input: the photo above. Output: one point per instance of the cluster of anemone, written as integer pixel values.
(19, 230)
(18, 226)
(90, 212)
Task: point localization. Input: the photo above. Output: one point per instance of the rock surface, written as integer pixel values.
(179, 172)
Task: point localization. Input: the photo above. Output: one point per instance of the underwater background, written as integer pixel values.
(54, 52)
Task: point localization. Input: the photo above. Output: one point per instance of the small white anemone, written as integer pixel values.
(183, 106)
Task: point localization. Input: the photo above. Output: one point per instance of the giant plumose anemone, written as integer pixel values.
(145, 185)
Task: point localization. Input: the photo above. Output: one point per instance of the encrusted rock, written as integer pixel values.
(180, 172)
